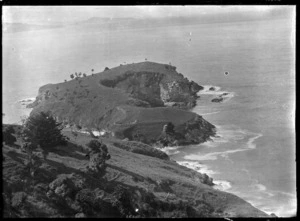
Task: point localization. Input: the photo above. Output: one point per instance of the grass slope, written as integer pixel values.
(170, 185)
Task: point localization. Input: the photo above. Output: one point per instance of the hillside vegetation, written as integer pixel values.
(136, 184)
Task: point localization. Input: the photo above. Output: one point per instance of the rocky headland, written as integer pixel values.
(133, 101)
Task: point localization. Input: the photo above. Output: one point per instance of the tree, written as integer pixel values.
(72, 76)
(84, 75)
(106, 69)
(41, 130)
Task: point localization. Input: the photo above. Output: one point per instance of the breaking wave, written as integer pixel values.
(222, 185)
(196, 166)
(214, 155)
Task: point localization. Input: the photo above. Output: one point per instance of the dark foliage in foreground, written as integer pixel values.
(41, 130)
(8, 138)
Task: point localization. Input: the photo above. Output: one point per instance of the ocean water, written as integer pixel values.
(253, 155)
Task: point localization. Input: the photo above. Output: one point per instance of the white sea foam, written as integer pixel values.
(209, 113)
(222, 185)
(214, 155)
(223, 136)
(27, 100)
(251, 144)
(207, 91)
(226, 95)
(260, 187)
(196, 166)
(170, 150)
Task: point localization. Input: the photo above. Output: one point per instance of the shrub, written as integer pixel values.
(42, 130)
(98, 155)
(8, 138)
(96, 146)
(106, 69)
(18, 199)
(72, 76)
(169, 128)
(123, 203)
(10, 129)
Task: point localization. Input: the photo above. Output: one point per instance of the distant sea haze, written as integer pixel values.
(253, 154)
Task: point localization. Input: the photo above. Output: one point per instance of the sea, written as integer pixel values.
(253, 152)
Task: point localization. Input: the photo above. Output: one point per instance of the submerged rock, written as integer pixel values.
(217, 100)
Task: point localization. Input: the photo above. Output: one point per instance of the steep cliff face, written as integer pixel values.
(179, 93)
(192, 130)
(156, 88)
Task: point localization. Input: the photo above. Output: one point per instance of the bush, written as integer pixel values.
(169, 128)
(98, 155)
(106, 69)
(8, 138)
(18, 199)
(41, 130)
(10, 129)
(124, 201)
(96, 146)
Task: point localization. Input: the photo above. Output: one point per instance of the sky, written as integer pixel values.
(42, 14)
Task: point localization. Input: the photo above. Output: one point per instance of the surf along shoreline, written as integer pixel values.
(223, 135)
(215, 92)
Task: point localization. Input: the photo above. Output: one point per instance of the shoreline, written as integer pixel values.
(223, 135)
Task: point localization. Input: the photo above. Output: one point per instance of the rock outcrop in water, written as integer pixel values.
(130, 101)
